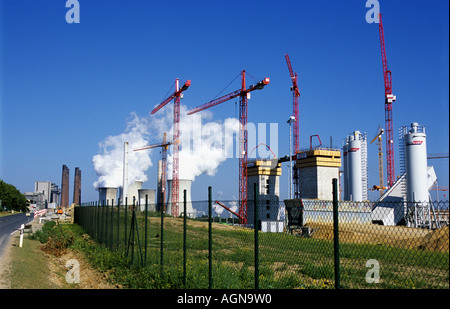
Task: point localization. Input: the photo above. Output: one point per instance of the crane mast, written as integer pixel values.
(389, 98)
(295, 111)
(243, 95)
(176, 96)
(296, 133)
(379, 139)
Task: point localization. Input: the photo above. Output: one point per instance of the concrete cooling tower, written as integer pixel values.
(107, 194)
(151, 194)
(184, 184)
(133, 191)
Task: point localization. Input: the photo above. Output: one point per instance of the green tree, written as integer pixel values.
(12, 199)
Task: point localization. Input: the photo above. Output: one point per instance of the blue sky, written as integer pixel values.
(67, 87)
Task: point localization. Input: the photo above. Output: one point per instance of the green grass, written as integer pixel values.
(286, 261)
(29, 267)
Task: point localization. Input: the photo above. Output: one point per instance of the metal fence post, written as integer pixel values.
(111, 240)
(125, 228)
(336, 234)
(162, 233)
(210, 235)
(255, 226)
(118, 223)
(184, 238)
(145, 233)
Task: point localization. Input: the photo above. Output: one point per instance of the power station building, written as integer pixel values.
(266, 175)
(316, 169)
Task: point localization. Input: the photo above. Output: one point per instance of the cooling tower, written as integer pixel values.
(150, 199)
(416, 163)
(133, 191)
(107, 194)
(184, 184)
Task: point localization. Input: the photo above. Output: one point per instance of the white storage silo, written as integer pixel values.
(354, 167)
(416, 163)
(184, 184)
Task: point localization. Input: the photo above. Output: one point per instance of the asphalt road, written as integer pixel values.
(9, 225)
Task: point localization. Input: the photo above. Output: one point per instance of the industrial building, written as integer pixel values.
(316, 169)
(46, 195)
(266, 175)
(409, 201)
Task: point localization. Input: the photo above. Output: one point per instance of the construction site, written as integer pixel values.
(261, 239)
(228, 144)
(404, 198)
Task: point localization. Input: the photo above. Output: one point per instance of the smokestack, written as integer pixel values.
(125, 173)
(184, 184)
(65, 187)
(77, 187)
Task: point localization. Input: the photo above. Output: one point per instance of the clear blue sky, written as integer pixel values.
(67, 87)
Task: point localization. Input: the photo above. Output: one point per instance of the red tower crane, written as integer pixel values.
(295, 113)
(176, 142)
(165, 146)
(389, 98)
(243, 95)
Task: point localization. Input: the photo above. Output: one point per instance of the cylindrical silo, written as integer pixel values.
(184, 184)
(151, 194)
(416, 163)
(107, 194)
(355, 167)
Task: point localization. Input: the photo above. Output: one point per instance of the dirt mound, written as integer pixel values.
(437, 240)
(398, 236)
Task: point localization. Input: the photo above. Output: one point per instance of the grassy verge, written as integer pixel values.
(286, 261)
(30, 267)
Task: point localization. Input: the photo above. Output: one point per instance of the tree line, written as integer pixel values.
(11, 198)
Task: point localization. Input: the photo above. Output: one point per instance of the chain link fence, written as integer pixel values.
(298, 244)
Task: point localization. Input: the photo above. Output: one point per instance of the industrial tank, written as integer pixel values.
(355, 192)
(416, 163)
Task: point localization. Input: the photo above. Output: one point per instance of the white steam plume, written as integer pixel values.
(203, 147)
(108, 164)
